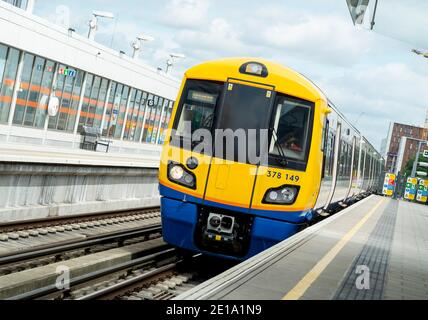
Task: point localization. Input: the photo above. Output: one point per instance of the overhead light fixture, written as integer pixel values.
(93, 23)
(137, 44)
(170, 62)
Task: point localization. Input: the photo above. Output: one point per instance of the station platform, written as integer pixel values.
(376, 249)
(68, 156)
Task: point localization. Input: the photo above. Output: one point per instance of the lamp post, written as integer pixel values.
(170, 62)
(137, 44)
(93, 23)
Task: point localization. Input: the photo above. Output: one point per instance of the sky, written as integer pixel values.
(372, 77)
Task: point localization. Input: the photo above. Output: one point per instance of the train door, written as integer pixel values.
(244, 113)
(352, 165)
(335, 166)
(330, 134)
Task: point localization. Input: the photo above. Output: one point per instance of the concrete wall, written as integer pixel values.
(35, 191)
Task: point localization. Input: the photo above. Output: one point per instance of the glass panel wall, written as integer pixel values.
(135, 119)
(116, 108)
(35, 88)
(67, 88)
(18, 3)
(131, 118)
(165, 121)
(93, 102)
(150, 120)
(23, 89)
(141, 117)
(9, 60)
(156, 121)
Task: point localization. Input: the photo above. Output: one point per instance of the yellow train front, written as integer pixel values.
(241, 166)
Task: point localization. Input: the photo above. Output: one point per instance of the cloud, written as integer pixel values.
(404, 20)
(389, 92)
(185, 13)
(324, 38)
(220, 39)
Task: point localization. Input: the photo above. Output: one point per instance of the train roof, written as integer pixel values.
(224, 69)
(298, 85)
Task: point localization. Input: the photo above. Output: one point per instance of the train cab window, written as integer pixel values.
(197, 107)
(292, 124)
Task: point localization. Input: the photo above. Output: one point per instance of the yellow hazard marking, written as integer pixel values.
(218, 238)
(299, 290)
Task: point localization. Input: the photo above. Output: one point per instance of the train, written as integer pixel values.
(255, 152)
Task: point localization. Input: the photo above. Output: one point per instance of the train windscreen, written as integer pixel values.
(292, 124)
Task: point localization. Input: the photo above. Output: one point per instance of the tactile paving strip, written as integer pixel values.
(374, 256)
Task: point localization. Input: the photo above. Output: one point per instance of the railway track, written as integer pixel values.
(163, 282)
(73, 238)
(155, 272)
(160, 276)
(52, 222)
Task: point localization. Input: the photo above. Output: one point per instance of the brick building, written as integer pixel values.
(407, 136)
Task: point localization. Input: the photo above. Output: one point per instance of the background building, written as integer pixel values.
(426, 121)
(402, 144)
(406, 151)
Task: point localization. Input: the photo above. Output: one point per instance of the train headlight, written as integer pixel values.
(178, 174)
(273, 195)
(283, 195)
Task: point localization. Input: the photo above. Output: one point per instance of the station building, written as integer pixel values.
(126, 100)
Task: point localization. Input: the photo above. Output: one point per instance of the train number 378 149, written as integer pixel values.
(279, 175)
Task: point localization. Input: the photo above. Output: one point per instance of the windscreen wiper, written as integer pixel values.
(197, 142)
(284, 160)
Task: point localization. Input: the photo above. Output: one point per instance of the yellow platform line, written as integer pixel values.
(299, 290)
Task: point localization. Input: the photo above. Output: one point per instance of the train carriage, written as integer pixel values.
(254, 152)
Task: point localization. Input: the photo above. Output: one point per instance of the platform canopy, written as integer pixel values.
(402, 20)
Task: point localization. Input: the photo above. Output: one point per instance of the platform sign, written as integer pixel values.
(422, 195)
(411, 186)
(389, 184)
(357, 9)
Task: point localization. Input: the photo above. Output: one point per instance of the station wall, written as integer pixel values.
(37, 191)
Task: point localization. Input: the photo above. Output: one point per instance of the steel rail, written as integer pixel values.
(79, 244)
(28, 224)
(145, 276)
(41, 292)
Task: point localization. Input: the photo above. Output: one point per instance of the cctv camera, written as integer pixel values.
(177, 55)
(103, 14)
(145, 38)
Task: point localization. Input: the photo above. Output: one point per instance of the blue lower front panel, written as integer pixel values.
(179, 222)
